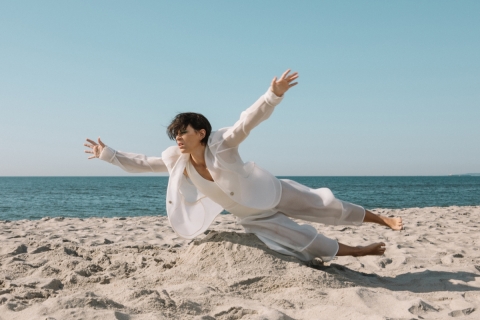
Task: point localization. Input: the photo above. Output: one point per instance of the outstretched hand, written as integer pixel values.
(96, 148)
(280, 86)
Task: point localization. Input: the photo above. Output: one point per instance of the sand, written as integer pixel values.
(138, 268)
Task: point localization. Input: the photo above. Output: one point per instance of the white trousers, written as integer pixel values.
(280, 233)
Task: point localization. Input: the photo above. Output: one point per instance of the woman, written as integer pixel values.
(207, 175)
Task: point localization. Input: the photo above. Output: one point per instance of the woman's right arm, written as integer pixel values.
(130, 162)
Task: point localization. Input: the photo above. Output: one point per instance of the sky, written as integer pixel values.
(385, 87)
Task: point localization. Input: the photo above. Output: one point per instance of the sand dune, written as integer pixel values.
(137, 268)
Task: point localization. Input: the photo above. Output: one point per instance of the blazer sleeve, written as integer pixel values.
(250, 118)
(132, 162)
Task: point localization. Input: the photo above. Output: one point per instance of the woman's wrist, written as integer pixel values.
(276, 93)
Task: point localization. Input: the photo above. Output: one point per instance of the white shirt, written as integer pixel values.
(213, 191)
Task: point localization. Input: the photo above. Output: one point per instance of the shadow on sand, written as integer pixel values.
(417, 282)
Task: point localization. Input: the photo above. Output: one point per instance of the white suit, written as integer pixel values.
(191, 213)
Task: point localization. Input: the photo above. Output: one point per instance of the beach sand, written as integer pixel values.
(137, 268)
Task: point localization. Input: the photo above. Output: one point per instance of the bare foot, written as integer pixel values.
(393, 223)
(374, 249)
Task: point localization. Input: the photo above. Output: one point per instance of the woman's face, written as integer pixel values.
(189, 139)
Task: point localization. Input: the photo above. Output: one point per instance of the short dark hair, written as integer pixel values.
(196, 120)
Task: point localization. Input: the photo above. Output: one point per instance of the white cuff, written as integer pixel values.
(271, 98)
(107, 154)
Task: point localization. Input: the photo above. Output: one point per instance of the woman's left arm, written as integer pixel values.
(260, 110)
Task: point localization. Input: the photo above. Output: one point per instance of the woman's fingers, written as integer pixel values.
(92, 142)
(284, 74)
(273, 81)
(293, 84)
(101, 143)
(293, 76)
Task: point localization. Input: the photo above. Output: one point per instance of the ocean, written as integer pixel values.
(83, 197)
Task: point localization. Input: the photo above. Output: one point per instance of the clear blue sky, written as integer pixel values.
(386, 87)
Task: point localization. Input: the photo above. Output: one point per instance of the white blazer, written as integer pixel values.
(189, 211)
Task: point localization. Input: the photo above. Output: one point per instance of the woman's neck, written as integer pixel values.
(198, 156)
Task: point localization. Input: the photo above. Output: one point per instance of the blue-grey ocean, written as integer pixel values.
(38, 197)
